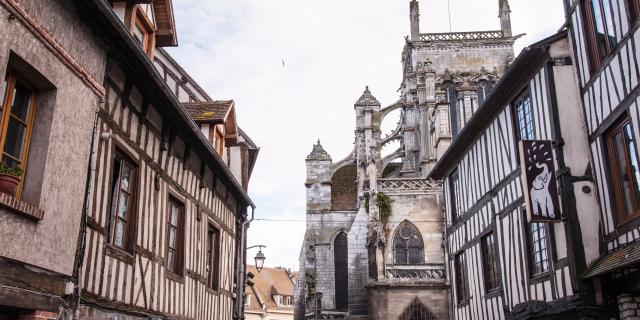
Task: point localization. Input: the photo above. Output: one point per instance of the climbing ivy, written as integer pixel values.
(384, 204)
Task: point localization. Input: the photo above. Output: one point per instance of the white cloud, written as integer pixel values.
(331, 49)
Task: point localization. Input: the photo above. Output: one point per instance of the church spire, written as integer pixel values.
(414, 9)
(504, 12)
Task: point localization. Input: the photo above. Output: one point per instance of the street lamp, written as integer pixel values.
(259, 258)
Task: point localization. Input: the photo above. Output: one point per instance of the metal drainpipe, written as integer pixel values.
(240, 267)
(83, 224)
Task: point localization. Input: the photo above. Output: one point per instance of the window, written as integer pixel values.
(538, 248)
(623, 159)
(213, 251)
(491, 276)
(408, 246)
(483, 91)
(524, 117)
(454, 186)
(599, 30)
(451, 95)
(16, 121)
(340, 256)
(462, 280)
(219, 141)
(142, 30)
(175, 239)
(123, 182)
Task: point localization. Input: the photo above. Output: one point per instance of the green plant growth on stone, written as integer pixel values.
(384, 205)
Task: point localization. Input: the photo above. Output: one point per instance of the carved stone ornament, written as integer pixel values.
(367, 99)
(318, 153)
(375, 234)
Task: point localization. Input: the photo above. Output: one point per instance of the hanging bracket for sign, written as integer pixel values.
(539, 181)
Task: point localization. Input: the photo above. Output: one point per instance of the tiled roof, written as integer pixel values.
(267, 283)
(209, 111)
(614, 261)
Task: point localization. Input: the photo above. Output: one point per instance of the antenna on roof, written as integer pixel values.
(449, 9)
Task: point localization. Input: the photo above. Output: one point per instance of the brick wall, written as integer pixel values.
(629, 306)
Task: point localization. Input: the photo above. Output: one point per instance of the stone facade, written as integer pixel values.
(629, 306)
(391, 272)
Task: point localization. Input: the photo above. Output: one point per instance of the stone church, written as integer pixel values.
(374, 246)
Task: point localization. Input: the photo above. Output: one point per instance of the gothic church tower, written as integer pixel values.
(374, 241)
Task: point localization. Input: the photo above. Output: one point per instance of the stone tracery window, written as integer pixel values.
(408, 246)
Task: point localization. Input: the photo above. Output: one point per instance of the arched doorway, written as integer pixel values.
(417, 311)
(340, 255)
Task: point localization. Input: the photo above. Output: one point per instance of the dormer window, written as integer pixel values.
(219, 141)
(142, 30)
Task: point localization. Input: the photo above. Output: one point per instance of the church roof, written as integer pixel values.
(318, 153)
(367, 99)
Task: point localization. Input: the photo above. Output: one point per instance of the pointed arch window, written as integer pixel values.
(417, 311)
(451, 96)
(340, 256)
(408, 246)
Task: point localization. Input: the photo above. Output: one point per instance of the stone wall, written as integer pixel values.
(358, 264)
(629, 306)
(389, 302)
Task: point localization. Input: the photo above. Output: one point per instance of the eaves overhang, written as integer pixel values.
(120, 42)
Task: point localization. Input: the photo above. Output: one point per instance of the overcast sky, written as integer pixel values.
(295, 68)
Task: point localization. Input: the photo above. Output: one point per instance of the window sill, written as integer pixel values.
(463, 303)
(539, 278)
(493, 293)
(118, 253)
(175, 277)
(21, 207)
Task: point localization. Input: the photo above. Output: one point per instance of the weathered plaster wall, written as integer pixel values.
(60, 163)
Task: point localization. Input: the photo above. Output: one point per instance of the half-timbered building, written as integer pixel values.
(502, 262)
(166, 217)
(130, 206)
(605, 37)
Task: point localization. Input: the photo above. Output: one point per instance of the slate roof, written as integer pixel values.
(209, 111)
(614, 261)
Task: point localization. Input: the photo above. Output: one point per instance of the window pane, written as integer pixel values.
(606, 4)
(633, 165)
(119, 237)
(15, 138)
(174, 215)
(126, 177)
(524, 116)
(625, 180)
(138, 34)
(172, 237)
(21, 100)
(123, 205)
(170, 262)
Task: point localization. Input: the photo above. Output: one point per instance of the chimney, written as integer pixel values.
(505, 18)
(414, 8)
